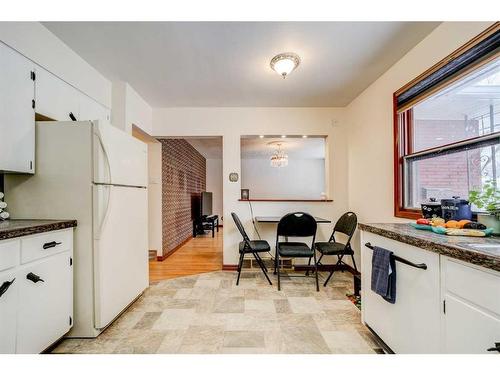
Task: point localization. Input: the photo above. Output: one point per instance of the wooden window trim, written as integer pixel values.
(403, 133)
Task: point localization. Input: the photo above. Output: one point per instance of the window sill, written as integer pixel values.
(408, 214)
(284, 200)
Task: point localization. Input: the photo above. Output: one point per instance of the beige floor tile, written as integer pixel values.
(202, 340)
(346, 342)
(174, 319)
(259, 305)
(183, 293)
(230, 305)
(282, 306)
(304, 340)
(147, 320)
(244, 339)
(207, 283)
(140, 342)
(171, 341)
(208, 313)
(304, 305)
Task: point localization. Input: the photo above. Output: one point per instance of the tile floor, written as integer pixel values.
(208, 313)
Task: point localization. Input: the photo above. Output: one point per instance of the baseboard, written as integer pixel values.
(161, 258)
(230, 267)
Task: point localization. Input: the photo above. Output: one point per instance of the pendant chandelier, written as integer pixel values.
(279, 158)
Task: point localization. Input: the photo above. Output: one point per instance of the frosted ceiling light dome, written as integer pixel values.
(285, 63)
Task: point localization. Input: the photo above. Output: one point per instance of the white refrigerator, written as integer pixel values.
(97, 174)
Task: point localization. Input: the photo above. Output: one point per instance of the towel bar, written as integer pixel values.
(422, 266)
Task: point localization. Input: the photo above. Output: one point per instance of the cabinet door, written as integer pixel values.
(46, 307)
(8, 312)
(55, 98)
(469, 329)
(471, 317)
(17, 117)
(412, 324)
(91, 110)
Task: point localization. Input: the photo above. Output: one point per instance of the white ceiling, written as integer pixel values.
(253, 147)
(209, 147)
(296, 148)
(227, 63)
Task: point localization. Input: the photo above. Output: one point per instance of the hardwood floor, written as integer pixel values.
(198, 255)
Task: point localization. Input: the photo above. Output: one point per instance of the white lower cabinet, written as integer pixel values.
(8, 311)
(451, 307)
(45, 312)
(471, 308)
(412, 324)
(37, 308)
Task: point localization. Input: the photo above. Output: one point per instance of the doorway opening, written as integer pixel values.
(191, 207)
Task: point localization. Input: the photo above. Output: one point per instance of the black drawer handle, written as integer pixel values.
(35, 278)
(49, 245)
(5, 286)
(496, 348)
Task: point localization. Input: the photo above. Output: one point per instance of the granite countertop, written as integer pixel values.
(482, 251)
(16, 228)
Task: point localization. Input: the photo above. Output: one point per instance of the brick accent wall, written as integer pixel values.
(183, 177)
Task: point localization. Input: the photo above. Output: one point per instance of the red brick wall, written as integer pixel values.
(451, 174)
(184, 175)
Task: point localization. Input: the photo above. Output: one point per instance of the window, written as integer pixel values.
(447, 127)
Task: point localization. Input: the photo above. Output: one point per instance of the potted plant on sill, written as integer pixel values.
(488, 201)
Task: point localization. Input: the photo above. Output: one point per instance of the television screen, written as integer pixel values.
(206, 203)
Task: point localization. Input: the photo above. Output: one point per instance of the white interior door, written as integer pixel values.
(120, 249)
(119, 158)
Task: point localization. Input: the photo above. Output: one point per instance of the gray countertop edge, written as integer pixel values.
(21, 228)
(468, 255)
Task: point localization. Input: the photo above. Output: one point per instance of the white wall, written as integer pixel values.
(231, 123)
(37, 43)
(301, 179)
(370, 122)
(214, 185)
(155, 197)
(129, 108)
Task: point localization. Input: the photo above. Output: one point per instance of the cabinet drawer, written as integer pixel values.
(474, 285)
(9, 254)
(40, 246)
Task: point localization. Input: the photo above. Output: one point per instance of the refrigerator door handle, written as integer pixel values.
(106, 210)
(105, 152)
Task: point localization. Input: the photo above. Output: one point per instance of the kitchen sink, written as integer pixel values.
(493, 248)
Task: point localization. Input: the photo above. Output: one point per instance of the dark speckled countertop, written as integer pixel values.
(16, 228)
(482, 251)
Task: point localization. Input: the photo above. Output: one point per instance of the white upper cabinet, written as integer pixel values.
(17, 117)
(55, 98)
(91, 110)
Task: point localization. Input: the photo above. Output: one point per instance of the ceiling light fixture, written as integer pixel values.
(279, 158)
(285, 63)
(261, 136)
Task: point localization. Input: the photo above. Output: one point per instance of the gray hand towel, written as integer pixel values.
(384, 274)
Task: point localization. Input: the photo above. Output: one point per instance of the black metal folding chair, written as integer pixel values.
(248, 246)
(297, 224)
(347, 225)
